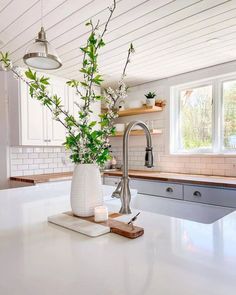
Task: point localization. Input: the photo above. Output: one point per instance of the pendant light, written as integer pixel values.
(41, 55)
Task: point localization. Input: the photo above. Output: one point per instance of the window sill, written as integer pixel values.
(207, 155)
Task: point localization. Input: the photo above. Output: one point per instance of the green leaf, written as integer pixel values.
(97, 79)
(92, 124)
(101, 43)
(84, 84)
(44, 80)
(29, 74)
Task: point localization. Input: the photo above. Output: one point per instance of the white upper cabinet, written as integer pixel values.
(31, 123)
(27, 121)
(56, 132)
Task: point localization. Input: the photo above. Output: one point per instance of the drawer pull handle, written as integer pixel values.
(197, 194)
(169, 190)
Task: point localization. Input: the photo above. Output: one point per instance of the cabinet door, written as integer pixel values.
(210, 195)
(157, 188)
(32, 118)
(56, 132)
(111, 180)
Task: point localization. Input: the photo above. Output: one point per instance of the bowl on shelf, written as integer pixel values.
(134, 104)
(120, 127)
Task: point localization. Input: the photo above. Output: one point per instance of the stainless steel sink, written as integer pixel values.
(197, 212)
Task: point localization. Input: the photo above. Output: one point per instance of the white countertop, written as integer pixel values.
(174, 257)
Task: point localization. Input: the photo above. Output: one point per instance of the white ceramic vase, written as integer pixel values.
(86, 190)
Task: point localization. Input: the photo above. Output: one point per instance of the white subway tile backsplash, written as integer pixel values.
(48, 150)
(28, 172)
(16, 150)
(43, 155)
(17, 173)
(14, 168)
(16, 161)
(22, 167)
(43, 166)
(52, 165)
(39, 160)
(33, 155)
(39, 171)
(66, 169)
(28, 150)
(163, 161)
(230, 160)
(34, 166)
(38, 150)
(49, 170)
(48, 160)
(22, 156)
(57, 170)
(57, 150)
(28, 161)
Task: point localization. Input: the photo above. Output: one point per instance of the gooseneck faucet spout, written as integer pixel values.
(123, 191)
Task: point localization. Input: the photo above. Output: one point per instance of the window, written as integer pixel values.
(203, 117)
(229, 111)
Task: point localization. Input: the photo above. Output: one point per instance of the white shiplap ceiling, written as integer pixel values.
(170, 36)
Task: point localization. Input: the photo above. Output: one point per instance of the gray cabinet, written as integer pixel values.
(210, 195)
(158, 188)
(111, 180)
(194, 193)
(154, 188)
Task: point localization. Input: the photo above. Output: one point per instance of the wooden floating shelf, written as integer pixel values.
(138, 133)
(138, 111)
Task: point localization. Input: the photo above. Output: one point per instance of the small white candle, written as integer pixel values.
(100, 213)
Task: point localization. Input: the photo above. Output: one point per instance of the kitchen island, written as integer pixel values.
(175, 256)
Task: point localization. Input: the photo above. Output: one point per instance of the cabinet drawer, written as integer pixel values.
(156, 188)
(209, 195)
(111, 180)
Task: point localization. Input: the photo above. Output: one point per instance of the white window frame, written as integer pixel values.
(217, 116)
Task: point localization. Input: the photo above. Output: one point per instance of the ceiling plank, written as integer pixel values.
(169, 33)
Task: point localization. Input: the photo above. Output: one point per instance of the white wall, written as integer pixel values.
(197, 164)
(4, 148)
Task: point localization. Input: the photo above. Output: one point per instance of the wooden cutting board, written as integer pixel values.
(118, 227)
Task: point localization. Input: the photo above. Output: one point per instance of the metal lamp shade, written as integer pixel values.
(41, 55)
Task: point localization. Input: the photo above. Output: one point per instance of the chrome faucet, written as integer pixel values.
(123, 191)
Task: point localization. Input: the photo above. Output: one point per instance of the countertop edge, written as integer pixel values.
(178, 180)
(190, 179)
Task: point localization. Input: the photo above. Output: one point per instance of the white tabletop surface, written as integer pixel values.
(174, 256)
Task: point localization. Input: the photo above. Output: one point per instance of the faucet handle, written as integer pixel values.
(117, 191)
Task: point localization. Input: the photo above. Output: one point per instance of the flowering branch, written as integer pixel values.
(88, 140)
